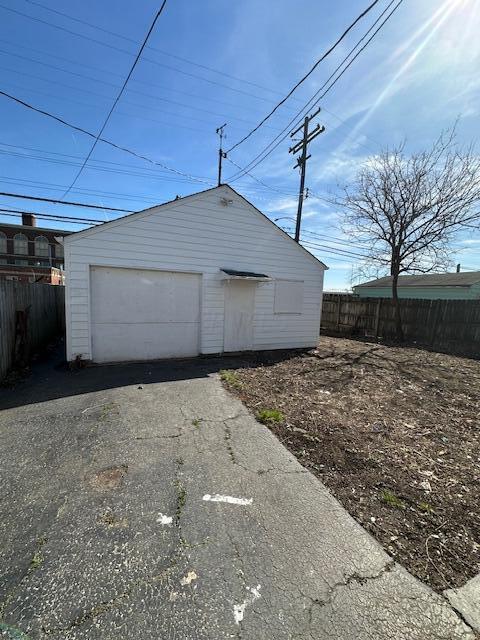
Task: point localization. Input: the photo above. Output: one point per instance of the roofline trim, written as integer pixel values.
(29, 227)
(420, 286)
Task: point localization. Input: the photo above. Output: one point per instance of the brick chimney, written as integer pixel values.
(29, 220)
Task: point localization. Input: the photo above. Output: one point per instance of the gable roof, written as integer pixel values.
(156, 208)
(462, 279)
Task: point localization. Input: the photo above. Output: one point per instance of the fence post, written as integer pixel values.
(439, 304)
(339, 302)
(377, 316)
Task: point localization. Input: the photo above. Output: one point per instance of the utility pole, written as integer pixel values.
(302, 161)
(221, 153)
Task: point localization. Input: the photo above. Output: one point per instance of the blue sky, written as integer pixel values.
(215, 61)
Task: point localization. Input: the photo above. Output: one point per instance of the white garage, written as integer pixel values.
(207, 273)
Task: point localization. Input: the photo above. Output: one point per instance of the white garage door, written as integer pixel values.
(140, 314)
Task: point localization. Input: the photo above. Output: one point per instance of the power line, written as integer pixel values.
(313, 101)
(111, 84)
(336, 249)
(155, 172)
(258, 179)
(324, 237)
(95, 167)
(335, 252)
(72, 204)
(284, 134)
(329, 258)
(136, 80)
(118, 113)
(150, 84)
(52, 186)
(326, 248)
(125, 52)
(270, 187)
(104, 140)
(334, 82)
(119, 95)
(61, 161)
(141, 93)
(307, 75)
(162, 51)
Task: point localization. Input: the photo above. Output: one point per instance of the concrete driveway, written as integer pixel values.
(143, 501)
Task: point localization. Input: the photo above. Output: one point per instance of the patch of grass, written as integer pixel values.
(270, 416)
(36, 560)
(391, 499)
(196, 422)
(181, 498)
(424, 506)
(230, 377)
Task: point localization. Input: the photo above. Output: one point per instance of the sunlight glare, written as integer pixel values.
(437, 20)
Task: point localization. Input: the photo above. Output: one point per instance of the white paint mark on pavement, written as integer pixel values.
(165, 520)
(239, 609)
(188, 579)
(95, 406)
(219, 498)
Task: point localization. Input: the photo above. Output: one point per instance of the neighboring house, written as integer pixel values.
(29, 253)
(430, 286)
(204, 274)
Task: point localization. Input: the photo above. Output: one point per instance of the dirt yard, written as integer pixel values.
(393, 432)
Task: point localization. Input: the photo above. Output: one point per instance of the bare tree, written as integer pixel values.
(408, 208)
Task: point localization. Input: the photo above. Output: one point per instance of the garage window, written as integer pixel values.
(288, 296)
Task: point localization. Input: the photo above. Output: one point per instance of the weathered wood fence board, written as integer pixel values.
(452, 326)
(45, 306)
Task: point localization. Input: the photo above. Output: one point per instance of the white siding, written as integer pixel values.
(198, 234)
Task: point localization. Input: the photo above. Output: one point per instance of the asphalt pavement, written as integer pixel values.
(143, 501)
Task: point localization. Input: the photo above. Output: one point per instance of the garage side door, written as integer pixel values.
(140, 314)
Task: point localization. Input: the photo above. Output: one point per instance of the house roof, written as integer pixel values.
(26, 227)
(143, 212)
(462, 279)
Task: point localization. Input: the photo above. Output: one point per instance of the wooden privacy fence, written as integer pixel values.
(30, 316)
(450, 326)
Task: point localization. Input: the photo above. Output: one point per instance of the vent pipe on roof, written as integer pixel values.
(458, 268)
(29, 220)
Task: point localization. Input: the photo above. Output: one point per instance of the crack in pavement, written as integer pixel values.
(353, 578)
(35, 561)
(228, 443)
(233, 457)
(240, 573)
(459, 614)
